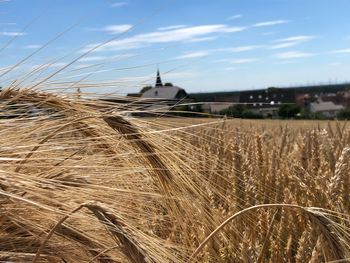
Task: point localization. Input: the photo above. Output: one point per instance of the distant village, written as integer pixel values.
(305, 102)
(330, 101)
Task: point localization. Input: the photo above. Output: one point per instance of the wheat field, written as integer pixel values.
(80, 184)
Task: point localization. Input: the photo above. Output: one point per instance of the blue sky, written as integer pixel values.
(200, 45)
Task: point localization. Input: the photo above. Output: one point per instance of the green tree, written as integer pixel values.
(187, 110)
(168, 84)
(344, 114)
(287, 111)
(144, 89)
(249, 114)
(240, 111)
(234, 111)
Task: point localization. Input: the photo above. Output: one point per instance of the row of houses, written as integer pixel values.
(325, 99)
(267, 102)
(328, 100)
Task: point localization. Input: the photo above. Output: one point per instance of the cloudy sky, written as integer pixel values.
(200, 45)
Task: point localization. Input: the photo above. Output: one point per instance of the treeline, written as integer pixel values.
(286, 111)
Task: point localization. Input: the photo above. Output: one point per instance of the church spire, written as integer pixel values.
(159, 80)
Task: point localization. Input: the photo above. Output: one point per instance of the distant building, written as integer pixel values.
(267, 101)
(216, 107)
(327, 108)
(164, 92)
(263, 101)
(150, 99)
(267, 97)
(338, 98)
(224, 96)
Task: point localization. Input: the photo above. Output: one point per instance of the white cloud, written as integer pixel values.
(341, 51)
(32, 46)
(302, 38)
(48, 65)
(11, 34)
(243, 60)
(136, 79)
(117, 45)
(198, 54)
(235, 17)
(240, 48)
(58, 65)
(201, 39)
(171, 27)
(291, 41)
(6, 68)
(106, 58)
(93, 58)
(119, 4)
(293, 55)
(177, 35)
(117, 29)
(284, 45)
(82, 66)
(270, 23)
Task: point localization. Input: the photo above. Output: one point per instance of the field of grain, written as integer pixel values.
(82, 185)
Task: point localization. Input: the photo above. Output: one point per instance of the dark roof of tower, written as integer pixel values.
(159, 80)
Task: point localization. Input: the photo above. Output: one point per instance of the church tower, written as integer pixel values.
(159, 80)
